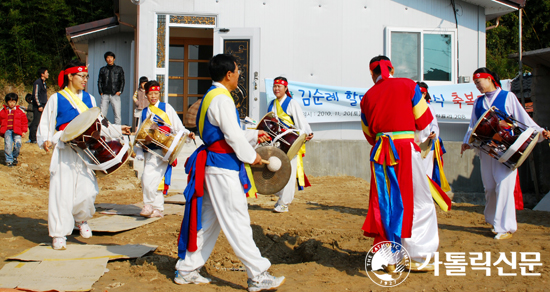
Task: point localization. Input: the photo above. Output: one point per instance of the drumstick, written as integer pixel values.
(265, 161)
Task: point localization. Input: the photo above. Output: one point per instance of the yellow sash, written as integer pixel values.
(437, 153)
(300, 163)
(282, 114)
(76, 102)
(253, 191)
(207, 100)
(157, 111)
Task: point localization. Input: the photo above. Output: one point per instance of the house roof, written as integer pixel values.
(79, 35)
(535, 57)
(527, 81)
(79, 32)
(496, 8)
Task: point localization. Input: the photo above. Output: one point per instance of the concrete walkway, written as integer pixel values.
(179, 177)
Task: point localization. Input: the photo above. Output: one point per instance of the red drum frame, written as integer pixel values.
(503, 138)
(283, 137)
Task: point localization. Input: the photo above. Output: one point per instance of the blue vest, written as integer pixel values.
(65, 110)
(211, 134)
(499, 103)
(284, 106)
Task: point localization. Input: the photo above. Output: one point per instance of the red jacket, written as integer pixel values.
(20, 122)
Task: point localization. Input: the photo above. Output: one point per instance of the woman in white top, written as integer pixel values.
(498, 180)
(73, 186)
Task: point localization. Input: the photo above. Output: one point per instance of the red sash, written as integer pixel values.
(219, 146)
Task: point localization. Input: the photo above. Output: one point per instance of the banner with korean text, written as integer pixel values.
(328, 104)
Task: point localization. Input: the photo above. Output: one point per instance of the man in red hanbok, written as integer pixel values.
(401, 209)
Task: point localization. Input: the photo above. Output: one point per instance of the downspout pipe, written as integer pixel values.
(493, 26)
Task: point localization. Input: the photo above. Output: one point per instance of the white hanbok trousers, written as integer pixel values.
(153, 171)
(73, 189)
(429, 163)
(499, 182)
(225, 207)
(424, 234)
(286, 195)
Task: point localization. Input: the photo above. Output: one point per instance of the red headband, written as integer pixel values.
(384, 64)
(423, 90)
(72, 70)
(154, 88)
(282, 82)
(486, 75)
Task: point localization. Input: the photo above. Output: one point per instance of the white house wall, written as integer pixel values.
(322, 41)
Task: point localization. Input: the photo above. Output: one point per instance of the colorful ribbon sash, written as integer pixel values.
(390, 204)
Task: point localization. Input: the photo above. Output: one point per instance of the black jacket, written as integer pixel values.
(110, 80)
(39, 93)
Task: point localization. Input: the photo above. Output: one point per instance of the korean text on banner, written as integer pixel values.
(328, 104)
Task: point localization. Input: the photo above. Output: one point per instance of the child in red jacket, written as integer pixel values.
(13, 124)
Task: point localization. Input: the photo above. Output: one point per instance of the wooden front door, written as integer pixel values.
(188, 77)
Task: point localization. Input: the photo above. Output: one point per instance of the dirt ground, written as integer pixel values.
(318, 245)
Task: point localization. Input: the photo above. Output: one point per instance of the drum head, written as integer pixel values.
(80, 124)
(268, 182)
(479, 121)
(426, 147)
(178, 149)
(527, 151)
(296, 146)
(141, 131)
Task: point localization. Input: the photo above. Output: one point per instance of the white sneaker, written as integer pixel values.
(85, 230)
(156, 213)
(59, 243)
(264, 281)
(503, 235)
(146, 211)
(192, 278)
(281, 209)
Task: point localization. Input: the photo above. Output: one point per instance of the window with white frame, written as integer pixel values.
(422, 55)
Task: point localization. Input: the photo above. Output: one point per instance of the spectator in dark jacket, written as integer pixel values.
(39, 99)
(13, 124)
(111, 84)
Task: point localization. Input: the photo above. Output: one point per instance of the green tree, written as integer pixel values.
(504, 40)
(32, 34)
